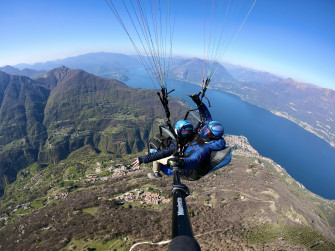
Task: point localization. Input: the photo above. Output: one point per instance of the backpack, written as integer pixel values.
(215, 162)
(159, 142)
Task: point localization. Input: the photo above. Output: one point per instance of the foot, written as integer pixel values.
(155, 176)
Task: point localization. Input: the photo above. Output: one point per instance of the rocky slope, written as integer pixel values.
(94, 201)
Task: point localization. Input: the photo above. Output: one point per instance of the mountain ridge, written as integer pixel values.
(192, 70)
(314, 111)
(21, 128)
(24, 72)
(47, 118)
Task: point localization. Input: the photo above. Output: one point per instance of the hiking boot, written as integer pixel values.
(155, 176)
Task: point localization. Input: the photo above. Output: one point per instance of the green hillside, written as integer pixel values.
(46, 119)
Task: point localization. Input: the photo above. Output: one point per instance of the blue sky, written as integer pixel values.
(290, 38)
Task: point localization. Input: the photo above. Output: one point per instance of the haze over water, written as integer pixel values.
(307, 158)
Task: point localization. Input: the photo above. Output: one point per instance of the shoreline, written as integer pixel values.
(321, 134)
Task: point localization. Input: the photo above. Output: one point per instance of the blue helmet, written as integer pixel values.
(213, 130)
(184, 128)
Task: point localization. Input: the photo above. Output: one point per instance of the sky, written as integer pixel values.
(289, 38)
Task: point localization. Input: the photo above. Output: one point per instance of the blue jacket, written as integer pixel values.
(159, 154)
(197, 157)
(205, 117)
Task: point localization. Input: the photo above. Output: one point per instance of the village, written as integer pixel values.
(143, 197)
(240, 146)
(97, 174)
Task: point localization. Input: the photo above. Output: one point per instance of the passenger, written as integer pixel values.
(184, 130)
(207, 151)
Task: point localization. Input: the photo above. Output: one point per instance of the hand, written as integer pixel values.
(175, 162)
(196, 99)
(136, 164)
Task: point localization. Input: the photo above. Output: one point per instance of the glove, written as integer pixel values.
(175, 162)
(196, 99)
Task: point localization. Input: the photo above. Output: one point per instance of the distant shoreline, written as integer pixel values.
(302, 124)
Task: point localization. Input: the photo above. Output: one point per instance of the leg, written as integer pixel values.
(157, 168)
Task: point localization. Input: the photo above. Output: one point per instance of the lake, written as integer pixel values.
(307, 158)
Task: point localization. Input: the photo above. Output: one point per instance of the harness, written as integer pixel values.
(216, 157)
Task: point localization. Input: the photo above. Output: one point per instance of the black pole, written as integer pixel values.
(182, 235)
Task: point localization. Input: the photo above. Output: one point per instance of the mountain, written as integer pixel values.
(191, 70)
(47, 118)
(24, 72)
(311, 107)
(114, 65)
(21, 124)
(94, 201)
(243, 74)
(108, 65)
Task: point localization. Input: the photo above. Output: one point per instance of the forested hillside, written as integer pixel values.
(45, 119)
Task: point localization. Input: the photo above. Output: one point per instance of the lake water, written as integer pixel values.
(307, 158)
